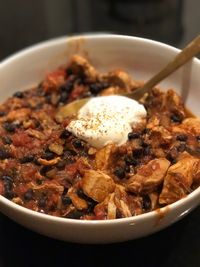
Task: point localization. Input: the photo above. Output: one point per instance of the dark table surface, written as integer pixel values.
(26, 22)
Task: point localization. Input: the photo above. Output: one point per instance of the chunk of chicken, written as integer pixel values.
(148, 177)
(179, 178)
(80, 66)
(97, 185)
(102, 157)
(119, 202)
(121, 79)
(78, 202)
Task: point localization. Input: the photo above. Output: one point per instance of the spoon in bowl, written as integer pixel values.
(191, 50)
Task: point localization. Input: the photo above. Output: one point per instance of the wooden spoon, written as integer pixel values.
(191, 50)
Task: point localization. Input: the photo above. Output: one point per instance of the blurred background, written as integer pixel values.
(27, 22)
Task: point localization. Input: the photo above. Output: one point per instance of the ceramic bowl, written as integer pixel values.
(141, 58)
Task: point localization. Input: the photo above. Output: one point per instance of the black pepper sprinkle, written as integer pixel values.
(119, 172)
(132, 136)
(181, 137)
(18, 94)
(27, 159)
(29, 194)
(66, 200)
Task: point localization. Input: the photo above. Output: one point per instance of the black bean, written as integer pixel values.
(26, 159)
(7, 140)
(171, 158)
(48, 155)
(65, 134)
(7, 178)
(45, 169)
(63, 97)
(181, 137)
(18, 94)
(127, 168)
(48, 98)
(137, 153)
(9, 194)
(82, 195)
(4, 154)
(42, 201)
(131, 161)
(2, 113)
(96, 88)
(176, 118)
(144, 144)
(29, 194)
(77, 143)
(39, 181)
(69, 71)
(132, 136)
(75, 214)
(119, 172)
(66, 200)
(146, 204)
(181, 147)
(91, 205)
(61, 164)
(69, 153)
(9, 127)
(147, 150)
(68, 86)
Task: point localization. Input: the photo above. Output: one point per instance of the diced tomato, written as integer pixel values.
(76, 92)
(100, 213)
(54, 79)
(21, 139)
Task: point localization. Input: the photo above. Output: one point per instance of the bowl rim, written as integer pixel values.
(128, 220)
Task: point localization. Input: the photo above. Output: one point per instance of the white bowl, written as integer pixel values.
(140, 57)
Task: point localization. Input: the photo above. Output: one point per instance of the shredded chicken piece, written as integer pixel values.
(19, 114)
(148, 177)
(49, 162)
(48, 186)
(179, 178)
(56, 148)
(121, 79)
(80, 65)
(78, 202)
(35, 134)
(97, 185)
(102, 157)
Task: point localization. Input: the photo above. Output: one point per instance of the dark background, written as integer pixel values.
(25, 22)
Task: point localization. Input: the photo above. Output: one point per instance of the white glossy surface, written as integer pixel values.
(141, 58)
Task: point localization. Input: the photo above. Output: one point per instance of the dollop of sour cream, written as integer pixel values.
(107, 119)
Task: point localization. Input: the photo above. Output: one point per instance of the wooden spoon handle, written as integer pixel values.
(191, 50)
